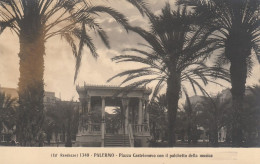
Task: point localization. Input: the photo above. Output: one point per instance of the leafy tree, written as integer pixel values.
(158, 117)
(7, 111)
(34, 22)
(53, 123)
(49, 127)
(251, 116)
(71, 119)
(215, 114)
(181, 125)
(190, 119)
(175, 51)
(30, 118)
(63, 118)
(236, 28)
(114, 121)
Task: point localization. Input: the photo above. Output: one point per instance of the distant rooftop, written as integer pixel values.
(12, 92)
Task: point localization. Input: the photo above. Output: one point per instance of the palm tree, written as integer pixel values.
(34, 22)
(176, 47)
(236, 27)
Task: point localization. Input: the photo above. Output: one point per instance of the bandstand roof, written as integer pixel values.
(112, 91)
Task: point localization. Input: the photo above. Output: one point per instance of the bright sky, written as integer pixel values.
(60, 63)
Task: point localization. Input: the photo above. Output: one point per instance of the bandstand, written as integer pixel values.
(133, 129)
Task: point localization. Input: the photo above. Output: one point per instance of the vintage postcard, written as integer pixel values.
(158, 81)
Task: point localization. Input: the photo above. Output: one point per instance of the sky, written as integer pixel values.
(60, 63)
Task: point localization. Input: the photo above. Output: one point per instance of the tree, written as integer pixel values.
(63, 118)
(114, 121)
(7, 111)
(30, 118)
(158, 117)
(34, 22)
(53, 122)
(190, 116)
(251, 116)
(71, 119)
(175, 53)
(215, 114)
(236, 28)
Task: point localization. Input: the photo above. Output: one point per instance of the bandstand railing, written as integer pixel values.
(98, 128)
(141, 128)
(93, 128)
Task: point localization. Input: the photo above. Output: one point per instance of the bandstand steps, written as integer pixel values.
(117, 141)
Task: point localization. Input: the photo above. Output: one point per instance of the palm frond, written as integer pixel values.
(141, 5)
(120, 18)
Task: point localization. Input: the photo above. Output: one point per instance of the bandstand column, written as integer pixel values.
(88, 100)
(125, 102)
(103, 121)
(83, 105)
(103, 109)
(146, 112)
(140, 112)
(89, 103)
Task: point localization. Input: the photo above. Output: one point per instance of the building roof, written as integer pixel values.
(12, 92)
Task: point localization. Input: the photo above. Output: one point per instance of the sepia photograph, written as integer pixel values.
(129, 73)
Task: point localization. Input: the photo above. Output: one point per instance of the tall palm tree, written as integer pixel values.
(34, 22)
(236, 27)
(176, 47)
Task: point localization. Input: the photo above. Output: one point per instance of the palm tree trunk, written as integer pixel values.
(172, 95)
(238, 71)
(31, 85)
